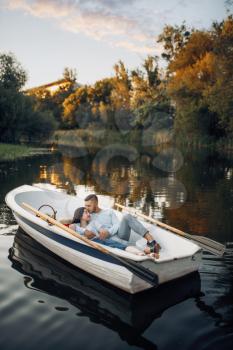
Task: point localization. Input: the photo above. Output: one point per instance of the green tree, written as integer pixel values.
(77, 108)
(152, 71)
(12, 74)
(19, 117)
(155, 115)
(70, 74)
(145, 83)
(37, 125)
(173, 38)
(149, 100)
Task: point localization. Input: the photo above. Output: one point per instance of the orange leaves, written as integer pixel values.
(198, 45)
(194, 78)
(228, 27)
(201, 82)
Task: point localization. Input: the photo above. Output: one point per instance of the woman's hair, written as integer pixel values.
(78, 215)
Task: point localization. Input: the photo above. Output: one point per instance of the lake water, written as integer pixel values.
(46, 303)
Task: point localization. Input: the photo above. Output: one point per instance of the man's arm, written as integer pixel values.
(91, 231)
(103, 233)
(110, 231)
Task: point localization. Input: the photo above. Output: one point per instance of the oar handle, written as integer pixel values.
(154, 221)
(65, 228)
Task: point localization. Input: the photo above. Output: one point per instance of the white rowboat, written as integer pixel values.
(178, 256)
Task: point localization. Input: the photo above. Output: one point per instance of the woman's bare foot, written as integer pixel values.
(134, 250)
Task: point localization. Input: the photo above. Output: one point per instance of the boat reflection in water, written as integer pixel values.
(128, 315)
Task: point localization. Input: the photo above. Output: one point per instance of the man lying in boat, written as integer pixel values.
(102, 224)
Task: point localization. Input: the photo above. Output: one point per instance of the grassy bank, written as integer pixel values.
(101, 138)
(12, 152)
(197, 141)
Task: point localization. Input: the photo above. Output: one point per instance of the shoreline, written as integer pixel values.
(10, 152)
(145, 138)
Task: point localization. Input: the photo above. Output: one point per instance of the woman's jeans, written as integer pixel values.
(110, 243)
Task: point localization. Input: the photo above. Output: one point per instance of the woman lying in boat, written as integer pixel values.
(83, 224)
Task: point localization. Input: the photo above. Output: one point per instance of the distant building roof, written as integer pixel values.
(50, 86)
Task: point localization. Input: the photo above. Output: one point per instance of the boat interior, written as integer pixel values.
(172, 245)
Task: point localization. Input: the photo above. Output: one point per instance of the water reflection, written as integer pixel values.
(196, 198)
(23, 171)
(127, 315)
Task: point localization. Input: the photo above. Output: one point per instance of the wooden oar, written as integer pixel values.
(204, 242)
(134, 267)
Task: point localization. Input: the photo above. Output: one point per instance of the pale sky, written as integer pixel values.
(92, 35)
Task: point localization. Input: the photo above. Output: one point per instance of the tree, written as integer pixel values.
(12, 75)
(120, 96)
(139, 93)
(20, 118)
(155, 113)
(19, 115)
(199, 44)
(38, 125)
(152, 70)
(77, 108)
(229, 5)
(145, 83)
(70, 74)
(173, 38)
(219, 94)
(200, 82)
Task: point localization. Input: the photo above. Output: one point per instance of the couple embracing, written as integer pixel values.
(102, 226)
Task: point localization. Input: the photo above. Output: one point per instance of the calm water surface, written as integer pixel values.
(46, 303)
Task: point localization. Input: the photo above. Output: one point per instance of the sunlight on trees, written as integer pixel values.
(201, 82)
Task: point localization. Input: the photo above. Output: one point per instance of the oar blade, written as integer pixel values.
(210, 249)
(209, 244)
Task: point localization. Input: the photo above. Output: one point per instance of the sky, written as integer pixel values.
(92, 35)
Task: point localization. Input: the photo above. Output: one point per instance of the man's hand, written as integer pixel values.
(103, 234)
(88, 234)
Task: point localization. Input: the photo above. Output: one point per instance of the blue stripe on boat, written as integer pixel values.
(70, 243)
